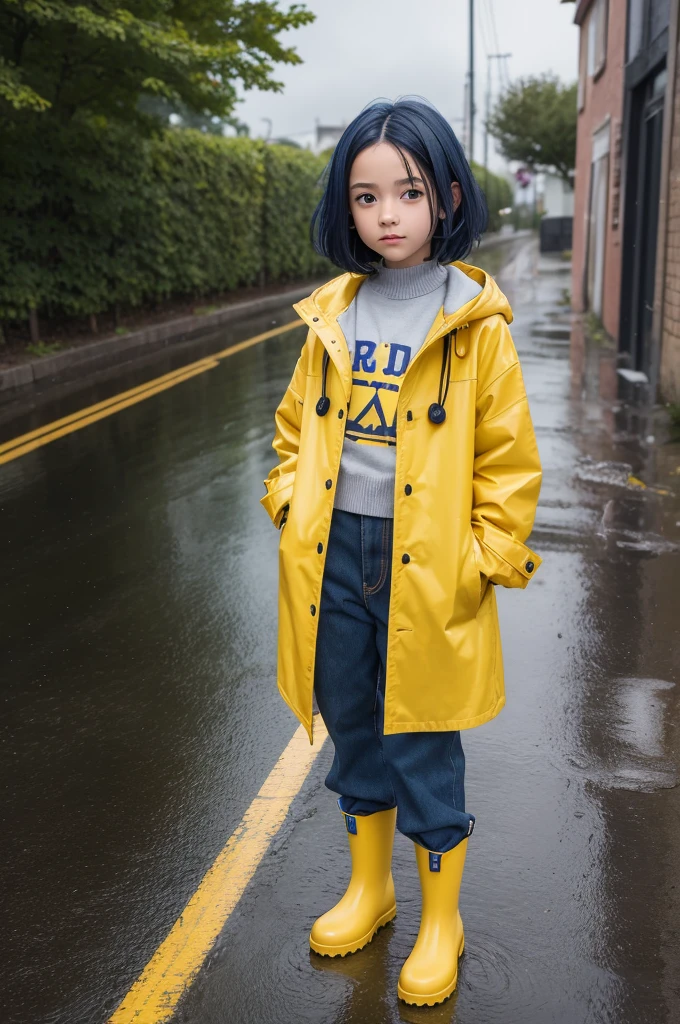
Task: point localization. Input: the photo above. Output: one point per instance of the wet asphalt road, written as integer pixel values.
(141, 714)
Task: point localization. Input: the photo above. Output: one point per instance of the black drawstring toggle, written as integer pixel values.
(324, 403)
(437, 412)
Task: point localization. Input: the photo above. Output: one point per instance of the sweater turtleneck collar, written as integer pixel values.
(407, 282)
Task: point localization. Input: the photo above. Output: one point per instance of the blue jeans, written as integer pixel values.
(421, 773)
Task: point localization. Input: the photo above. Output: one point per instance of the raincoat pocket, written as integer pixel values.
(471, 576)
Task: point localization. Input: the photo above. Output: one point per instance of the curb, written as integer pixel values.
(111, 351)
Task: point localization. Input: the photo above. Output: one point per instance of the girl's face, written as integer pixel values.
(391, 213)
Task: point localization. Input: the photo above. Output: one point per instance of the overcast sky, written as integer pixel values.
(357, 50)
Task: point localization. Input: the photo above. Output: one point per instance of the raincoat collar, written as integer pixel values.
(320, 311)
(322, 308)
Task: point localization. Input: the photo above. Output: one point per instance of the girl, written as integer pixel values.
(408, 479)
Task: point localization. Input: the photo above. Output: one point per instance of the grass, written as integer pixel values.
(205, 310)
(42, 348)
(120, 331)
(674, 414)
(566, 298)
(595, 330)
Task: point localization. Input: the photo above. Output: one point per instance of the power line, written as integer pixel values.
(503, 74)
(485, 39)
(500, 57)
(471, 26)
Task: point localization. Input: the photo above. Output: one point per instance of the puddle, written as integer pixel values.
(645, 542)
(613, 474)
(632, 754)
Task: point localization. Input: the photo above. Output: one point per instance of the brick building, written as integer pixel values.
(597, 240)
(645, 164)
(626, 262)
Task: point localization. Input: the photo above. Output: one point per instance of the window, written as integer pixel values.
(659, 17)
(647, 19)
(636, 26)
(597, 216)
(597, 37)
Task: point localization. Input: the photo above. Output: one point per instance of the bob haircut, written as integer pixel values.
(416, 129)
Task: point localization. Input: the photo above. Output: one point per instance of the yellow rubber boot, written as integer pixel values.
(430, 974)
(369, 901)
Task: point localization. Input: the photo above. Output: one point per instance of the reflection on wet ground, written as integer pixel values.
(142, 715)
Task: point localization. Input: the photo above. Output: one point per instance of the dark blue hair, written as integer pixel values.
(418, 130)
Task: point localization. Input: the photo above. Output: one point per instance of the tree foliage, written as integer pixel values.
(99, 57)
(535, 123)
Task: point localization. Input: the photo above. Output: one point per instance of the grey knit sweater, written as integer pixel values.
(385, 327)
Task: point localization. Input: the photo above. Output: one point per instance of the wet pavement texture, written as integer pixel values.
(141, 714)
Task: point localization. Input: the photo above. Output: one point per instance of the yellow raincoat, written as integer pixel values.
(473, 487)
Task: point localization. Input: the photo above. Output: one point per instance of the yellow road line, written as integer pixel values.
(15, 453)
(258, 337)
(114, 400)
(25, 443)
(177, 961)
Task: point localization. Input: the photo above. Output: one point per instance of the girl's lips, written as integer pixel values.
(392, 238)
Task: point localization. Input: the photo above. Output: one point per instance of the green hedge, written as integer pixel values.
(499, 194)
(93, 219)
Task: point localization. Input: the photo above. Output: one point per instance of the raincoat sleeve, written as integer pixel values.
(507, 468)
(288, 420)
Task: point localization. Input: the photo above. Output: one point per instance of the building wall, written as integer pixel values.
(669, 374)
(602, 104)
(558, 198)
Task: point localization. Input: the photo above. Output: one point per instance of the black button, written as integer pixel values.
(315, 319)
(409, 415)
(332, 341)
(406, 559)
(329, 484)
(319, 547)
(341, 414)
(408, 489)
(529, 567)
(312, 609)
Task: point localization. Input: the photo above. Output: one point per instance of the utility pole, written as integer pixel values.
(471, 95)
(490, 57)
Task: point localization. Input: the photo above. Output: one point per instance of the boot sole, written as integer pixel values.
(435, 997)
(354, 947)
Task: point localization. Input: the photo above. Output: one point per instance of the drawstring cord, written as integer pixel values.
(436, 412)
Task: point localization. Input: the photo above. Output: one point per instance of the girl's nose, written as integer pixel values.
(388, 216)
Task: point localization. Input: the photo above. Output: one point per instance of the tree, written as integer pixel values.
(85, 86)
(535, 123)
(101, 57)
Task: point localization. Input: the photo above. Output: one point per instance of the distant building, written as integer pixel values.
(557, 207)
(327, 136)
